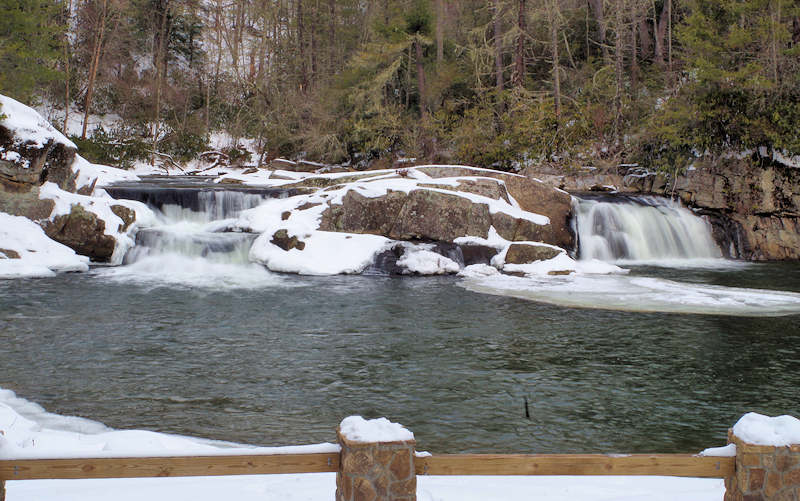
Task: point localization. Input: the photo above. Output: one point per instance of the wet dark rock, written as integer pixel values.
(527, 253)
(282, 239)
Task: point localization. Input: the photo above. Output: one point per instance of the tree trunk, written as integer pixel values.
(439, 31)
(66, 69)
(669, 37)
(645, 38)
(420, 77)
(498, 49)
(161, 56)
(634, 55)
(519, 56)
(618, 57)
(301, 50)
(598, 8)
(660, 28)
(332, 38)
(98, 42)
(554, 25)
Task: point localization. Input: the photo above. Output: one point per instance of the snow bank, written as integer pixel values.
(758, 429)
(30, 432)
(38, 255)
(87, 172)
(28, 125)
(358, 429)
(325, 253)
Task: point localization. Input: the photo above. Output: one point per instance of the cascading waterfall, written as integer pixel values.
(192, 245)
(647, 229)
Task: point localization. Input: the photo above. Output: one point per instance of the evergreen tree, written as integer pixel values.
(30, 45)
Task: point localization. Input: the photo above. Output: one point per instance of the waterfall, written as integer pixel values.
(192, 244)
(648, 229)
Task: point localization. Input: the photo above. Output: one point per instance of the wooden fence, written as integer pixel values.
(681, 465)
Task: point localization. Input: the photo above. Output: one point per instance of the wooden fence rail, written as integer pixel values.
(674, 465)
(679, 465)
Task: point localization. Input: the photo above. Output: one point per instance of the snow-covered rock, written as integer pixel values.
(26, 252)
(410, 221)
(44, 180)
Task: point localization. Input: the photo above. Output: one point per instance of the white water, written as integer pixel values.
(644, 230)
(643, 294)
(187, 248)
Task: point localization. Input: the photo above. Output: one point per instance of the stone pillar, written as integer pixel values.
(764, 473)
(376, 471)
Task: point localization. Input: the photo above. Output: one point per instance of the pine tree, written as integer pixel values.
(30, 46)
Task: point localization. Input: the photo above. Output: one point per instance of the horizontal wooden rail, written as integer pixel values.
(672, 465)
(183, 466)
(675, 465)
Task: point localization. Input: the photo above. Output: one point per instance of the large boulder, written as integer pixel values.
(531, 195)
(524, 253)
(83, 232)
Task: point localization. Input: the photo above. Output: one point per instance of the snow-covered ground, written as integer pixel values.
(29, 431)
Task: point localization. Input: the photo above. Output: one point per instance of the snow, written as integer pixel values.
(39, 256)
(28, 125)
(636, 293)
(425, 262)
(325, 253)
(758, 429)
(358, 429)
(30, 432)
(105, 175)
(725, 451)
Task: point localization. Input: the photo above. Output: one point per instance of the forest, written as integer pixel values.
(501, 84)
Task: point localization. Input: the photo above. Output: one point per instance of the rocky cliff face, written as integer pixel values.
(752, 202)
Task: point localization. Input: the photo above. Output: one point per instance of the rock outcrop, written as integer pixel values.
(436, 212)
(33, 153)
(752, 202)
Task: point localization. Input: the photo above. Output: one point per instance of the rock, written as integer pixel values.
(82, 231)
(360, 214)
(9, 254)
(430, 215)
(127, 215)
(477, 254)
(560, 272)
(37, 163)
(484, 187)
(230, 180)
(531, 195)
(282, 239)
(529, 253)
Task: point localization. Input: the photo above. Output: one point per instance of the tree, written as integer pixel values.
(31, 40)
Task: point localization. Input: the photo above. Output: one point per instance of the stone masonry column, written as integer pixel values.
(764, 472)
(377, 461)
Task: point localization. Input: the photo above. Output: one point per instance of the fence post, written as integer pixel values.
(375, 470)
(2, 490)
(764, 473)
